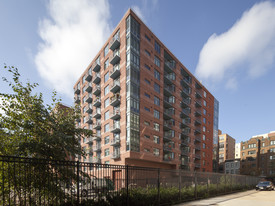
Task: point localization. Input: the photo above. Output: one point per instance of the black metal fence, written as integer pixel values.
(30, 181)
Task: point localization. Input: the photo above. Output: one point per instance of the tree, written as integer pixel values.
(28, 128)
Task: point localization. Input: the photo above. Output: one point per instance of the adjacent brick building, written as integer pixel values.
(144, 106)
(258, 155)
(226, 147)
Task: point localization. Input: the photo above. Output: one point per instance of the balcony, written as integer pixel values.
(77, 90)
(197, 147)
(198, 86)
(97, 138)
(168, 125)
(97, 90)
(97, 102)
(185, 132)
(167, 148)
(115, 128)
(185, 92)
(116, 71)
(185, 102)
(185, 152)
(197, 138)
(97, 78)
(167, 136)
(115, 155)
(77, 99)
(89, 140)
(97, 125)
(169, 65)
(184, 142)
(185, 113)
(168, 113)
(88, 76)
(197, 131)
(97, 114)
(197, 122)
(88, 87)
(116, 57)
(197, 113)
(167, 158)
(168, 102)
(186, 80)
(168, 79)
(115, 86)
(88, 120)
(115, 100)
(89, 109)
(115, 115)
(96, 160)
(89, 98)
(198, 94)
(115, 43)
(197, 165)
(198, 156)
(97, 148)
(197, 103)
(169, 90)
(115, 142)
(185, 123)
(96, 66)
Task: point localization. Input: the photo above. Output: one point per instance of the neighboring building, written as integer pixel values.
(237, 150)
(226, 147)
(232, 166)
(144, 106)
(258, 155)
(216, 137)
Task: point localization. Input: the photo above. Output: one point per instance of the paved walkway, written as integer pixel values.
(250, 198)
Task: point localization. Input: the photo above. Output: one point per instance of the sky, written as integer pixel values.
(228, 45)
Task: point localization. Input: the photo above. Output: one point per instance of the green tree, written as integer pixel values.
(29, 128)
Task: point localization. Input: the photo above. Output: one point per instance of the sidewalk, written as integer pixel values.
(216, 200)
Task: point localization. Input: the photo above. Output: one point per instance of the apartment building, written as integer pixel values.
(226, 147)
(144, 106)
(258, 155)
(232, 166)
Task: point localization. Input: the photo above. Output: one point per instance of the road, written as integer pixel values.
(250, 198)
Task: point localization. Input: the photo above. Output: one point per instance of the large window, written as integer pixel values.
(106, 115)
(157, 74)
(157, 61)
(156, 101)
(156, 114)
(157, 88)
(107, 102)
(106, 140)
(107, 152)
(156, 151)
(106, 77)
(157, 47)
(106, 127)
(156, 139)
(106, 90)
(106, 49)
(156, 126)
(106, 64)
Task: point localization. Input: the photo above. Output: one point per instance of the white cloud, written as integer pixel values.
(145, 9)
(71, 39)
(138, 12)
(249, 44)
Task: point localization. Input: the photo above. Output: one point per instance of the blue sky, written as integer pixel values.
(228, 45)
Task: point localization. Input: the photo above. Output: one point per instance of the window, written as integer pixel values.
(204, 120)
(147, 109)
(107, 152)
(106, 90)
(156, 126)
(106, 140)
(203, 145)
(106, 77)
(243, 147)
(156, 114)
(106, 127)
(106, 115)
(156, 152)
(156, 101)
(106, 64)
(147, 38)
(204, 103)
(146, 150)
(107, 162)
(252, 145)
(157, 88)
(147, 67)
(272, 142)
(83, 79)
(263, 144)
(203, 128)
(203, 137)
(147, 95)
(147, 123)
(157, 74)
(156, 139)
(106, 102)
(147, 81)
(157, 47)
(147, 136)
(204, 111)
(106, 49)
(252, 152)
(204, 93)
(147, 53)
(157, 61)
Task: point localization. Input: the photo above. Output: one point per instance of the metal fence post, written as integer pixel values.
(196, 192)
(158, 186)
(180, 184)
(77, 182)
(127, 181)
(208, 184)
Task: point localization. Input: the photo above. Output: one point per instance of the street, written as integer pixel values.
(251, 198)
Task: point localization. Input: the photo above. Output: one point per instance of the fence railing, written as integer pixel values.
(30, 181)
